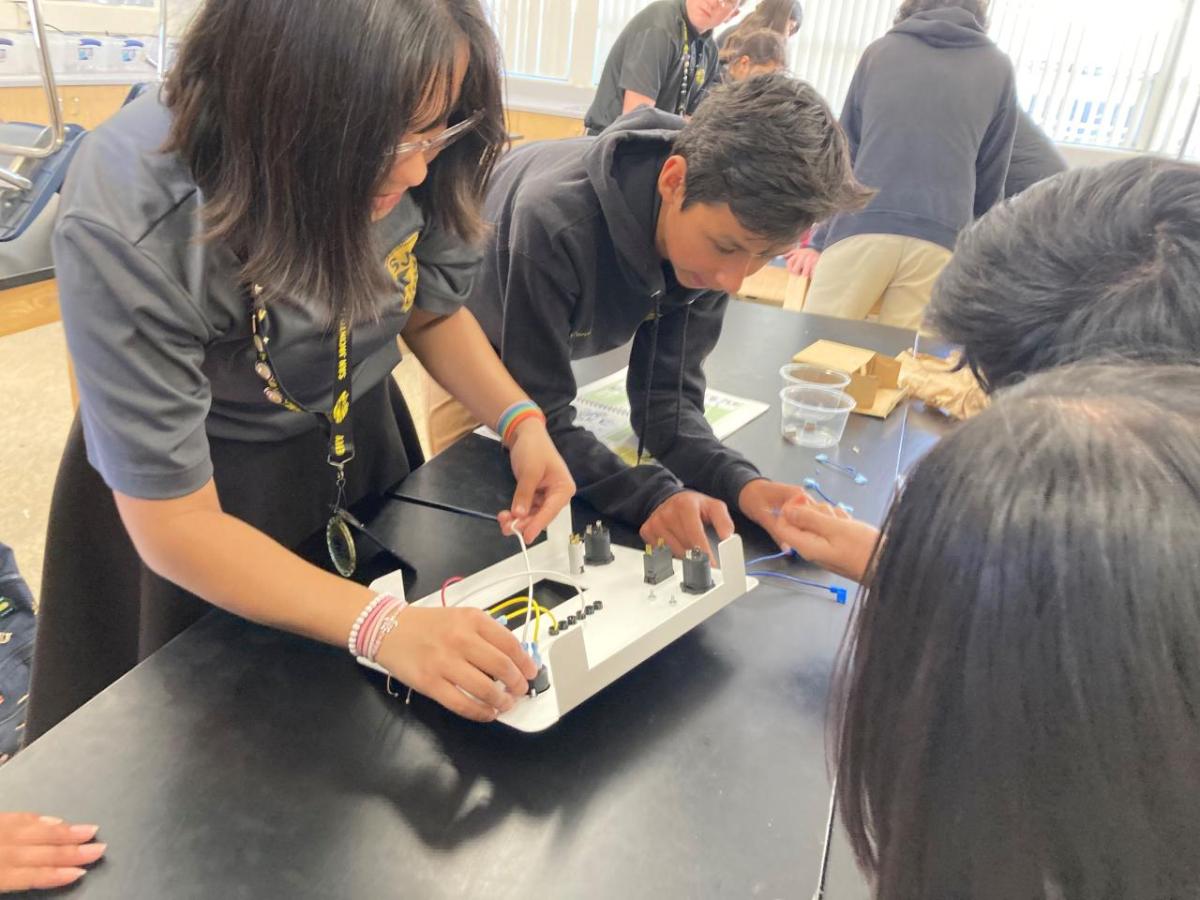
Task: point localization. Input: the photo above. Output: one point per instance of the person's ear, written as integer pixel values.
(672, 180)
(740, 68)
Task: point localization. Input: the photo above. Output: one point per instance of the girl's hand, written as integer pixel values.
(830, 538)
(544, 484)
(40, 852)
(461, 657)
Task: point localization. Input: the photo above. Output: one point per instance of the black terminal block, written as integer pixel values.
(597, 605)
(657, 563)
(597, 545)
(697, 572)
(540, 683)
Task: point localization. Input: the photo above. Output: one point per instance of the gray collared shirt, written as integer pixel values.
(158, 325)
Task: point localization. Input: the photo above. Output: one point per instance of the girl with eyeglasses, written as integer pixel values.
(236, 257)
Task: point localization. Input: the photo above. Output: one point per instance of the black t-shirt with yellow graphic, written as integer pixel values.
(159, 326)
(658, 54)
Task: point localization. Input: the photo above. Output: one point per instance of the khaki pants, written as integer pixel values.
(894, 272)
(449, 420)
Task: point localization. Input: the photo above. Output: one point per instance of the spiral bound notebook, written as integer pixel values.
(602, 407)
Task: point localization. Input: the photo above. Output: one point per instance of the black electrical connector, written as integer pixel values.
(597, 545)
(697, 572)
(657, 564)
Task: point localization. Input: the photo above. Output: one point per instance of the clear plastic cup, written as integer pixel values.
(813, 376)
(814, 416)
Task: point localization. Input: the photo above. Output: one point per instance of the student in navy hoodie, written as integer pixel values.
(643, 233)
(930, 115)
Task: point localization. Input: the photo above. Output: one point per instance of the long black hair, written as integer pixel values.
(286, 110)
(1020, 712)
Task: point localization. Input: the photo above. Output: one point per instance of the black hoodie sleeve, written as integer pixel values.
(535, 345)
(675, 430)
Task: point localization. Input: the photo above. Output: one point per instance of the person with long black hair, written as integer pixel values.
(1018, 704)
(235, 259)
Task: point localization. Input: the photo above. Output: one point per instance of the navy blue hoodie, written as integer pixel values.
(930, 117)
(570, 271)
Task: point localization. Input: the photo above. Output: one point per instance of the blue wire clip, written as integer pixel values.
(815, 486)
(838, 592)
(850, 471)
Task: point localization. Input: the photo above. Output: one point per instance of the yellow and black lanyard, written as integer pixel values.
(338, 539)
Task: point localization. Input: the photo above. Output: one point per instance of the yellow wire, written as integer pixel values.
(538, 609)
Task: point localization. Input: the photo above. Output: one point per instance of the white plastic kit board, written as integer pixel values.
(629, 629)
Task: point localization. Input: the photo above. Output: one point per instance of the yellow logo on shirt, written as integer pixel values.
(700, 77)
(402, 266)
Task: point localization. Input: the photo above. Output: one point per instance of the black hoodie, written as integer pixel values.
(930, 116)
(570, 271)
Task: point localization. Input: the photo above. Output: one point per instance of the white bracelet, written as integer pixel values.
(352, 640)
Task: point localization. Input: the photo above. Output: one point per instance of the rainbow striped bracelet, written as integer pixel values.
(514, 416)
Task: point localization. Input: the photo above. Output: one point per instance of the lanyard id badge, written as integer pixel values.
(338, 540)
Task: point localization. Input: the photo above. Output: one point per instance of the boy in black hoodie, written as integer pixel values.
(930, 115)
(643, 233)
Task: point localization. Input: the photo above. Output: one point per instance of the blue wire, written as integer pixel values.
(838, 592)
(762, 559)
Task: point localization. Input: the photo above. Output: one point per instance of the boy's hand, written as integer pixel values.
(680, 519)
(762, 501)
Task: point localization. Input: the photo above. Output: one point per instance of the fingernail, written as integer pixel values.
(96, 849)
(71, 873)
(520, 511)
(50, 820)
(86, 832)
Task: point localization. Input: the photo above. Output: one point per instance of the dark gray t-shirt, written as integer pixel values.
(649, 57)
(159, 328)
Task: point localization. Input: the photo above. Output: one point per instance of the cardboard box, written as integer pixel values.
(874, 378)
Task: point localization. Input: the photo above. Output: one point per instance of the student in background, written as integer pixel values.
(665, 57)
(1093, 264)
(1018, 707)
(643, 233)
(930, 115)
(1034, 157)
(756, 53)
(784, 17)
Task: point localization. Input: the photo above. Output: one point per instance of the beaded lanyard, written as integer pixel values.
(681, 109)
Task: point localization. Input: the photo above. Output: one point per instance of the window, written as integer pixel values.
(1093, 72)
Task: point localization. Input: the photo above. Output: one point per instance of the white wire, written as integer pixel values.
(529, 596)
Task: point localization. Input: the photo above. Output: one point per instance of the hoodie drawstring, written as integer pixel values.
(649, 378)
(687, 315)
